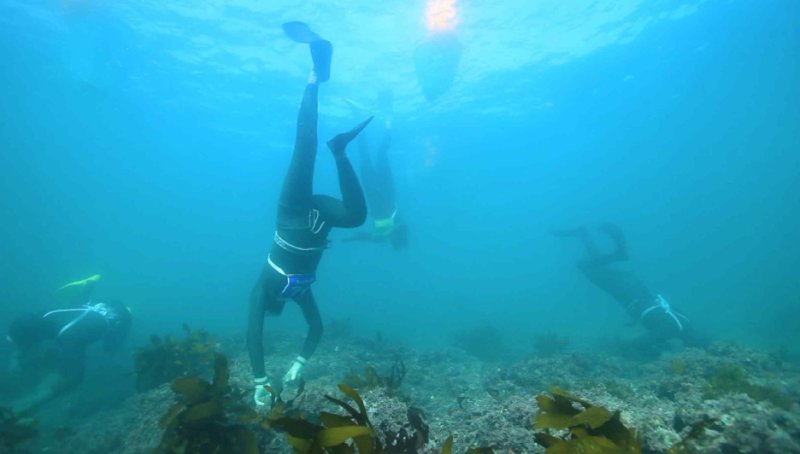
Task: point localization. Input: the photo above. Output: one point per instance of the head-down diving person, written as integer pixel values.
(50, 347)
(378, 182)
(661, 320)
(304, 220)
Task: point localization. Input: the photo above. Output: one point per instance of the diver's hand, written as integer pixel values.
(261, 396)
(295, 370)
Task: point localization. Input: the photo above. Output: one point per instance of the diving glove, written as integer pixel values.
(295, 370)
(262, 396)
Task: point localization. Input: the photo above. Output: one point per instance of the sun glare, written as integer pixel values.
(441, 15)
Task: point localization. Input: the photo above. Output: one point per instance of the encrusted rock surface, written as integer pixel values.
(492, 404)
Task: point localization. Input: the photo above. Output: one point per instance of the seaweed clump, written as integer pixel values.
(15, 430)
(340, 434)
(372, 380)
(589, 428)
(167, 358)
(732, 379)
(200, 422)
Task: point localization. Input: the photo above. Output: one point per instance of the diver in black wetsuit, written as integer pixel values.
(660, 319)
(379, 188)
(51, 347)
(303, 223)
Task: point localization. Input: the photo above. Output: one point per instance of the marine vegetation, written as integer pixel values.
(371, 379)
(167, 358)
(677, 367)
(447, 448)
(732, 379)
(697, 430)
(589, 428)
(201, 419)
(14, 430)
(549, 344)
(335, 431)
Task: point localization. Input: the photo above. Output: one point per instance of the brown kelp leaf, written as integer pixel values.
(193, 389)
(349, 408)
(447, 447)
(545, 439)
(353, 394)
(299, 444)
(586, 445)
(556, 391)
(622, 436)
(296, 427)
(334, 420)
(334, 436)
(170, 415)
(364, 444)
(205, 410)
(593, 417)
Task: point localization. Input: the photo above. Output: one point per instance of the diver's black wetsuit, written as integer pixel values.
(303, 223)
(378, 179)
(641, 304)
(379, 188)
(60, 338)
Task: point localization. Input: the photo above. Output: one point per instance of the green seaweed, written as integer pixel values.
(163, 359)
(732, 379)
(15, 430)
(589, 428)
(199, 421)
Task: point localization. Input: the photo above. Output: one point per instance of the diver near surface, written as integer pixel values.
(652, 310)
(378, 182)
(304, 220)
(50, 347)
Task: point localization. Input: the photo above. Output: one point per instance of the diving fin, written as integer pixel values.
(81, 283)
(338, 143)
(300, 32)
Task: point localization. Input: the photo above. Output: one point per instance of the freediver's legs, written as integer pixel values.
(295, 199)
(594, 258)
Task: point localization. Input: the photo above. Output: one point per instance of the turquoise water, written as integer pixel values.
(147, 141)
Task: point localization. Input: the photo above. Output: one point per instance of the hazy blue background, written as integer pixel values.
(148, 142)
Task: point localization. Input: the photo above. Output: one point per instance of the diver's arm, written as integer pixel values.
(45, 391)
(255, 337)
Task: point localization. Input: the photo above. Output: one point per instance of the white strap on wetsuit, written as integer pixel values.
(662, 303)
(313, 218)
(275, 266)
(99, 308)
(289, 247)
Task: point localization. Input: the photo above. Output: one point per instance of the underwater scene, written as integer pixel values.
(401, 226)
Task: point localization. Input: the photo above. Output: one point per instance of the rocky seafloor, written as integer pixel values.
(749, 399)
